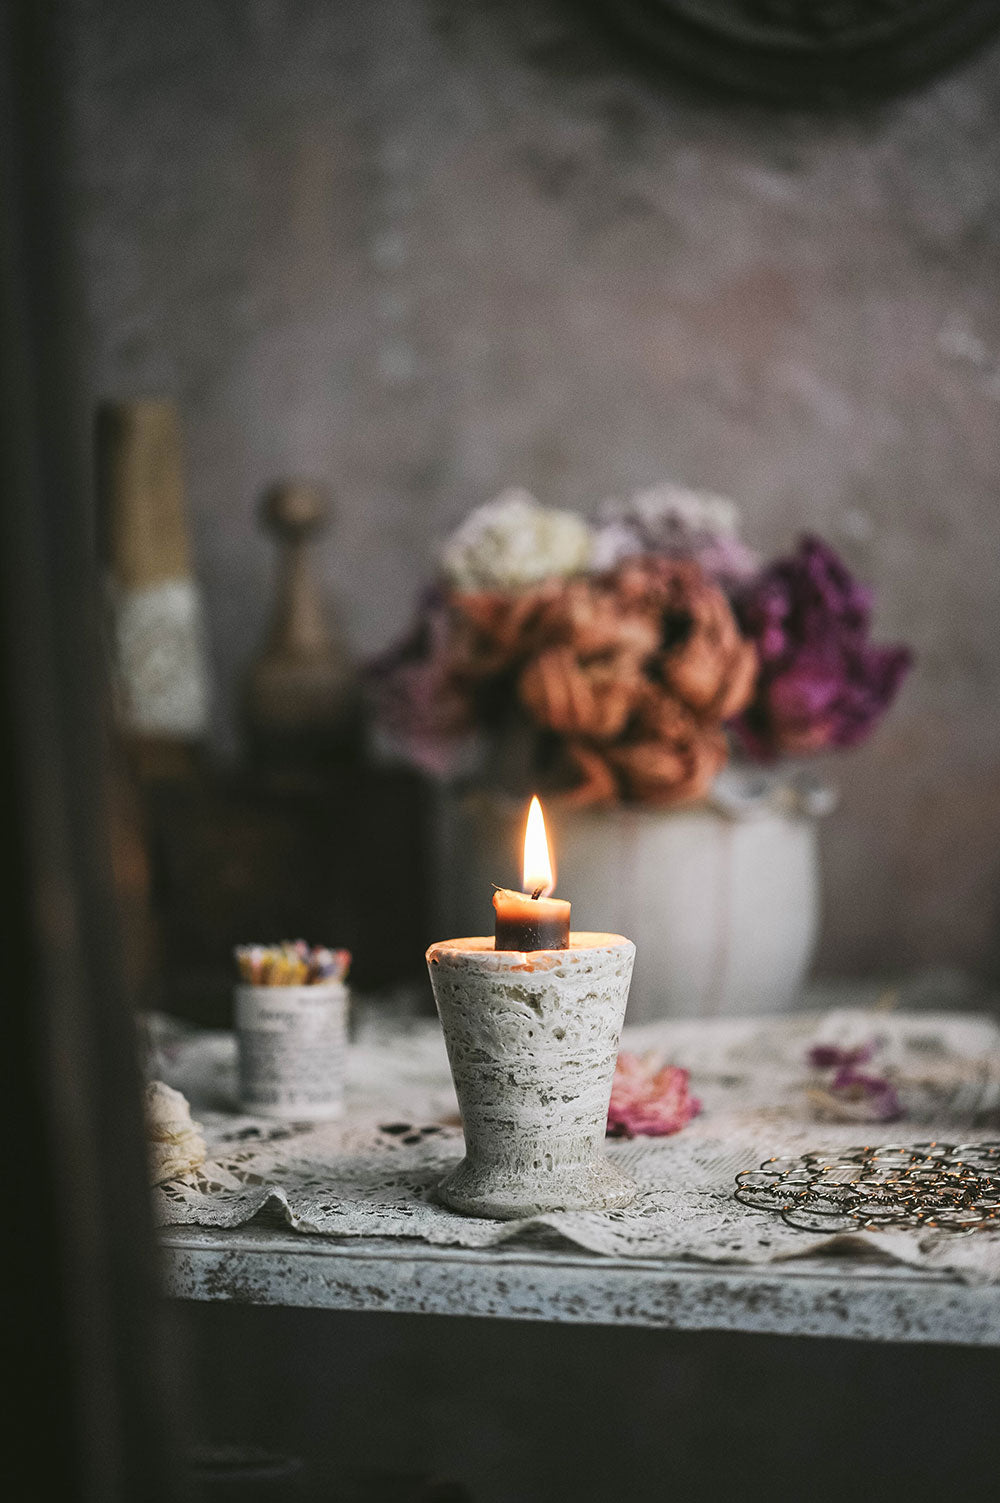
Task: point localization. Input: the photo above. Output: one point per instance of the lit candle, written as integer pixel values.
(532, 920)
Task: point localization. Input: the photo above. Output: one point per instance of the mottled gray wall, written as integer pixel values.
(423, 250)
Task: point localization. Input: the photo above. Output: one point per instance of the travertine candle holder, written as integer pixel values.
(532, 1041)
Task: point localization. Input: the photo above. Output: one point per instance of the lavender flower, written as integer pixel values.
(670, 520)
(822, 683)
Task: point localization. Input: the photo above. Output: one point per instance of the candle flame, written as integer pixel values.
(538, 868)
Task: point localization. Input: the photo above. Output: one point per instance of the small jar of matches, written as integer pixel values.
(290, 1017)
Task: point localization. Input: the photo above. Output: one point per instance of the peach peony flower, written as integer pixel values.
(493, 630)
(703, 657)
(649, 1098)
(676, 766)
(596, 781)
(623, 680)
(576, 698)
(649, 662)
(591, 616)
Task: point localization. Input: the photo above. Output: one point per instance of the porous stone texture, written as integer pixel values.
(532, 1042)
(425, 249)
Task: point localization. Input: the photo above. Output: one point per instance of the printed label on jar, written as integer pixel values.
(291, 1047)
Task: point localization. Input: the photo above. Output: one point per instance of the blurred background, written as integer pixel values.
(423, 251)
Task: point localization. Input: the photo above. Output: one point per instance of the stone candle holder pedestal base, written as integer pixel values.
(532, 1041)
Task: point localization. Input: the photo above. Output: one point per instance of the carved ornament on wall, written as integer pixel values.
(808, 51)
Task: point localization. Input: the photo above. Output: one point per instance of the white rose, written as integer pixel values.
(512, 542)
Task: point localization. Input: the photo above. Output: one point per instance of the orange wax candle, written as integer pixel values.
(524, 922)
(532, 920)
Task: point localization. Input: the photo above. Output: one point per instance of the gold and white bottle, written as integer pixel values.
(161, 680)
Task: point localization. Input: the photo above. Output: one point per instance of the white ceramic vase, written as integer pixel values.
(532, 1042)
(721, 898)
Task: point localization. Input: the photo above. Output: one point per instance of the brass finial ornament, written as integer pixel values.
(302, 697)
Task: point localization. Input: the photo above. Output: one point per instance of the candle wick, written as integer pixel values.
(538, 892)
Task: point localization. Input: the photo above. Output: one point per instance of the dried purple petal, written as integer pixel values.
(832, 1057)
(872, 1098)
(822, 682)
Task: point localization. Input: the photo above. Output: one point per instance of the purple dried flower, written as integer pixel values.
(831, 1057)
(822, 682)
(853, 1095)
(866, 1098)
(418, 703)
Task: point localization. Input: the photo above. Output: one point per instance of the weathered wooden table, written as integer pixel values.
(843, 1297)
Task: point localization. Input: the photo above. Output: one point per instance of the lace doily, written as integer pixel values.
(374, 1174)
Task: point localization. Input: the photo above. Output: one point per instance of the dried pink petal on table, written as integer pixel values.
(649, 1099)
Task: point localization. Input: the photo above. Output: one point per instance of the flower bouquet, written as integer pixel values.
(618, 668)
(625, 663)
